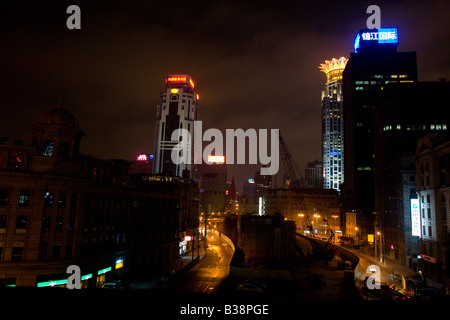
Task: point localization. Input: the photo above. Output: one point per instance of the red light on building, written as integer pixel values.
(142, 157)
(176, 79)
(180, 78)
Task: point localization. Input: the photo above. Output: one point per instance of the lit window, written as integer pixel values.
(444, 127)
(432, 126)
(24, 198)
(48, 148)
(48, 199)
(399, 127)
(438, 127)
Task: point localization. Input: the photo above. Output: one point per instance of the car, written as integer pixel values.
(255, 283)
(249, 288)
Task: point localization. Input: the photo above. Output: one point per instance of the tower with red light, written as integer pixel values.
(177, 109)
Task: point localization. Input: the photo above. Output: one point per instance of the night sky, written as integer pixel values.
(254, 63)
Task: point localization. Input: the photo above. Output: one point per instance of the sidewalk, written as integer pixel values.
(189, 260)
(182, 265)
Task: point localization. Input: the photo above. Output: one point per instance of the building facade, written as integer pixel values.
(333, 124)
(212, 179)
(314, 174)
(305, 206)
(60, 207)
(433, 186)
(374, 64)
(405, 112)
(177, 109)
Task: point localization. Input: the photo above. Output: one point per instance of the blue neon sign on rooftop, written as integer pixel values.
(371, 37)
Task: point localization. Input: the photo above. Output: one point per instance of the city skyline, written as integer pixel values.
(255, 66)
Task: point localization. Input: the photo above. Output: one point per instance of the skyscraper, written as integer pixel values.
(374, 64)
(177, 109)
(314, 175)
(333, 124)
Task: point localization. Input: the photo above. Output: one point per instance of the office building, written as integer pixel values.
(404, 113)
(374, 64)
(212, 179)
(177, 109)
(314, 174)
(333, 124)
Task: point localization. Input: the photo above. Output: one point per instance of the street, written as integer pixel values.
(208, 274)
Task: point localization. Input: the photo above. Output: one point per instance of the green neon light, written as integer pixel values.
(88, 276)
(51, 283)
(103, 271)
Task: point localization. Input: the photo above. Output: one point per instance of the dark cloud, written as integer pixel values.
(255, 63)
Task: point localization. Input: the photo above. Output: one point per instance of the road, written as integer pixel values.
(208, 274)
(390, 273)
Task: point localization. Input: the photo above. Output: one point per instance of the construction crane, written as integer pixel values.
(290, 168)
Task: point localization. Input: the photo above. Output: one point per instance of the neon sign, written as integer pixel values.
(180, 79)
(216, 159)
(176, 79)
(142, 157)
(369, 37)
(415, 218)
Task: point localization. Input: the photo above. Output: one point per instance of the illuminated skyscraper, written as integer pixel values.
(177, 109)
(374, 64)
(333, 124)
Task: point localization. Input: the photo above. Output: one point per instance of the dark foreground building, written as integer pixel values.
(405, 112)
(433, 217)
(59, 207)
(373, 65)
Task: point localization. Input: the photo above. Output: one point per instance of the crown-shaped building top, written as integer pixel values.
(334, 68)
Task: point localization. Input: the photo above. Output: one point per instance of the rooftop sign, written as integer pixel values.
(180, 78)
(375, 37)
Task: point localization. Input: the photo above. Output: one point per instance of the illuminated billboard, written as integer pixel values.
(180, 79)
(144, 157)
(216, 159)
(415, 218)
(375, 37)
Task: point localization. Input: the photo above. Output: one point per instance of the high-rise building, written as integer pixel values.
(404, 114)
(374, 64)
(177, 109)
(333, 124)
(212, 179)
(263, 184)
(314, 175)
(249, 189)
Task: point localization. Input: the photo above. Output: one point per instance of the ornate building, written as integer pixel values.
(59, 207)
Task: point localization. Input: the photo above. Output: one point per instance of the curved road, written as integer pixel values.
(208, 274)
